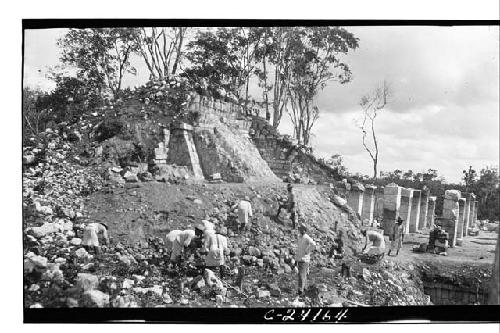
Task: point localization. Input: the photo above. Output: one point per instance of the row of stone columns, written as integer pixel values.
(415, 207)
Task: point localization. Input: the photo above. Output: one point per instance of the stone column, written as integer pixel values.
(471, 212)
(355, 198)
(368, 204)
(469, 206)
(379, 204)
(424, 205)
(431, 212)
(415, 207)
(392, 202)
(405, 207)
(451, 215)
(461, 218)
(474, 216)
(182, 151)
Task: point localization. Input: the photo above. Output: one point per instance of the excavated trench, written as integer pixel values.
(452, 289)
(449, 294)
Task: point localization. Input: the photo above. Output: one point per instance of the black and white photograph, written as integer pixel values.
(253, 171)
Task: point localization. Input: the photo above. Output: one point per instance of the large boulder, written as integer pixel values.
(130, 177)
(253, 251)
(34, 262)
(86, 281)
(44, 230)
(95, 298)
(53, 273)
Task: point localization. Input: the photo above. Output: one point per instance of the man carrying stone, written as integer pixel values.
(90, 236)
(305, 246)
(396, 236)
(290, 205)
(374, 243)
(244, 212)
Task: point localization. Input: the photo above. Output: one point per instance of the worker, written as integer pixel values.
(91, 233)
(305, 246)
(374, 242)
(396, 236)
(337, 249)
(290, 205)
(216, 248)
(177, 242)
(244, 212)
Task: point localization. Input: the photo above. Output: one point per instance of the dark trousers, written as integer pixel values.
(303, 268)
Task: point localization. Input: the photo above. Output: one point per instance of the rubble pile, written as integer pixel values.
(61, 186)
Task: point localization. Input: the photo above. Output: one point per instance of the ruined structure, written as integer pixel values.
(237, 145)
(284, 156)
(182, 150)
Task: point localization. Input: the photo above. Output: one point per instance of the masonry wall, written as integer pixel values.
(284, 157)
(223, 151)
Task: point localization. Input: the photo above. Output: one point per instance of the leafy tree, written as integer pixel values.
(223, 61)
(469, 178)
(372, 104)
(34, 118)
(100, 55)
(336, 162)
(430, 175)
(488, 192)
(274, 53)
(315, 54)
(408, 175)
(70, 99)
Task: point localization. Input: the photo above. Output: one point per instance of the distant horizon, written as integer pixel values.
(444, 114)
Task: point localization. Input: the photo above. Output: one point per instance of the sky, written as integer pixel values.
(443, 112)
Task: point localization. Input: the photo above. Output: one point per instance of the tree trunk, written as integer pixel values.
(375, 169)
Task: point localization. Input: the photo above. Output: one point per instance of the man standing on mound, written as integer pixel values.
(305, 246)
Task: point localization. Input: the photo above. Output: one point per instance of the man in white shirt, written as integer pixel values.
(305, 246)
(374, 242)
(244, 212)
(213, 246)
(177, 241)
(90, 236)
(216, 248)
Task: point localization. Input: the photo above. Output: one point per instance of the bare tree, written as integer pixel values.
(161, 49)
(372, 103)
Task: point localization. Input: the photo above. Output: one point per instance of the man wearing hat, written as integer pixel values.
(396, 236)
(244, 212)
(290, 205)
(305, 246)
(90, 236)
(215, 247)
